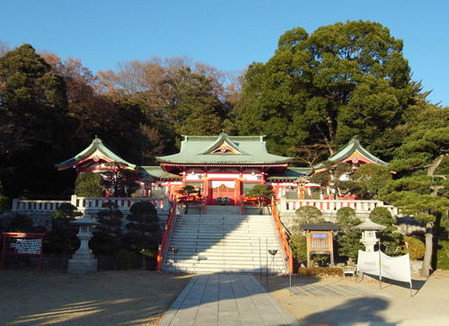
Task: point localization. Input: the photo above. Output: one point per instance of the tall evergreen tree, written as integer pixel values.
(343, 80)
(34, 123)
(420, 186)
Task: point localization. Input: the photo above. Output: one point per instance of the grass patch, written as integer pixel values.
(443, 255)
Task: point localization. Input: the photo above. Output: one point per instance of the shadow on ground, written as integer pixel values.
(105, 298)
(354, 311)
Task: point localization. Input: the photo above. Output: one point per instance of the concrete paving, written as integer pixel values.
(226, 299)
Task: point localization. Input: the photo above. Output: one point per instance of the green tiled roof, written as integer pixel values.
(96, 145)
(348, 150)
(291, 173)
(156, 172)
(203, 150)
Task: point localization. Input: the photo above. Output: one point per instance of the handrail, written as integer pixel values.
(203, 208)
(162, 249)
(242, 206)
(283, 238)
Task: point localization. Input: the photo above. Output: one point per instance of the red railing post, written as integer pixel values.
(162, 247)
(284, 242)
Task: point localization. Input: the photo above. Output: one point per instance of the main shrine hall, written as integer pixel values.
(216, 167)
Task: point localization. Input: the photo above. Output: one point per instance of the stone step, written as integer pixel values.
(220, 268)
(223, 243)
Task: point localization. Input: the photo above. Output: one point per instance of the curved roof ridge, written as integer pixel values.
(95, 145)
(352, 146)
(223, 138)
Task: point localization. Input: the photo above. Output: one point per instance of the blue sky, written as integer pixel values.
(228, 34)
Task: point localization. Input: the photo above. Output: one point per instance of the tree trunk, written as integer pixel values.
(426, 266)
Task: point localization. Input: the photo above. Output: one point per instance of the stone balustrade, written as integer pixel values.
(86, 204)
(25, 205)
(286, 206)
(331, 206)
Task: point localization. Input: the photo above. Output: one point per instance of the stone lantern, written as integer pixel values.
(369, 229)
(83, 261)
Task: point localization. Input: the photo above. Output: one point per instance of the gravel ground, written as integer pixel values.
(365, 302)
(141, 297)
(106, 298)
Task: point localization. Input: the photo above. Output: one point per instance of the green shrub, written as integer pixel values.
(416, 247)
(299, 247)
(89, 185)
(5, 203)
(443, 255)
(391, 240)
(309, 214)
(345, 213)
(320, 271)
(143, 230)
(108, 234)
(348, 240)
(20, 223)
(127, 259)
(62, 237)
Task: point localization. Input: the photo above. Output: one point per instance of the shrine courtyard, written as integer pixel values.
(141, 298)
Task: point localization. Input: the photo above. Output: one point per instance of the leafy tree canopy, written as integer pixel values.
(341, 81)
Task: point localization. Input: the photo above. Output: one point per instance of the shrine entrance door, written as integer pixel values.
(222, 189)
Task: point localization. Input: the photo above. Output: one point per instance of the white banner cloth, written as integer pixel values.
(394, 268)
(368, 262)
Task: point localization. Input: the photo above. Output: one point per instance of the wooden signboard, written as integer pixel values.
(22, 244)
(320, 242)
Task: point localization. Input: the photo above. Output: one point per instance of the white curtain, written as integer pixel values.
(394, 268)
(229, 184)
(368, 262)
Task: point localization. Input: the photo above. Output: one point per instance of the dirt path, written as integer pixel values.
(106, 298)
(348, 302)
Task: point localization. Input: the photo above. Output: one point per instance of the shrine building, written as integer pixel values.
(220, 166)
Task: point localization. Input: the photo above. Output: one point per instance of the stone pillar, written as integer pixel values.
(83, 261)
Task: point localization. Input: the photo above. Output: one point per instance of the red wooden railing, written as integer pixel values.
(162, 250)
(282, 236)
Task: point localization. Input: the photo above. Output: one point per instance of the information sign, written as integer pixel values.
(25, 244)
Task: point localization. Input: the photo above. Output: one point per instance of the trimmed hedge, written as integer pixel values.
(320, 271)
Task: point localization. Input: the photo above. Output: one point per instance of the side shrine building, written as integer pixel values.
(217, 167)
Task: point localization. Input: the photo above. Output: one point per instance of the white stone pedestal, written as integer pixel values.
(80, 265)
(83, 261)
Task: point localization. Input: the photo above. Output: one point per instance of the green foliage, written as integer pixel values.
(34, 123)
(341, 81)
(107, 235)
(194, 107)
(89, 185)
(119, 180)
(261, 192)
(308, 214)
(346, 219)
(371, 178)
(20, 223)
(66, 212)
(389, 237)
(62, 237)
(348, 240)
(416, 247)
(127, 259)
(5, 203)
(443, 255)
(322, 178)
(320, 271)
(143, 230)
(299, 247)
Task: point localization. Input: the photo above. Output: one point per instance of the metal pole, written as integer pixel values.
(260, 259)
(380, 266)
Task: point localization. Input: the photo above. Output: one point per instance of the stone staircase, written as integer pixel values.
(223, 240)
